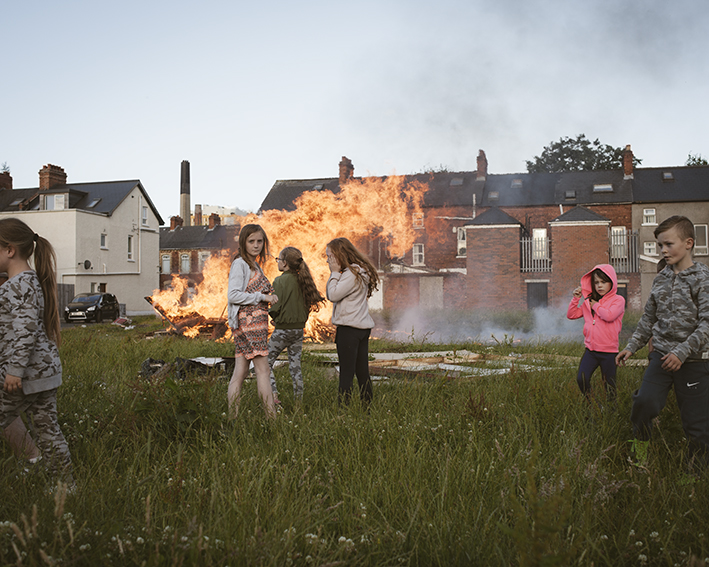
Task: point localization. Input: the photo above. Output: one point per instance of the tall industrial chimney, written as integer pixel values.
(185, 192)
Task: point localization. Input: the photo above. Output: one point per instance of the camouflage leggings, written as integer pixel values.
(292, 339)
(41, 409)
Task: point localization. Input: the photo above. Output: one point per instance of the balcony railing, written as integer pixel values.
(623, 251)
(535, 255)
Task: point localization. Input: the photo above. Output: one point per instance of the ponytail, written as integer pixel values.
(295, 264)
(14, 232)
(45, 264)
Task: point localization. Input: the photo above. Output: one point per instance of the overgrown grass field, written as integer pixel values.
(511, 469)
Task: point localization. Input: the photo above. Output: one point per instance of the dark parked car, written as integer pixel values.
(92, 307)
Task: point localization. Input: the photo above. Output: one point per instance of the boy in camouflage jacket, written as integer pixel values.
(676, 317)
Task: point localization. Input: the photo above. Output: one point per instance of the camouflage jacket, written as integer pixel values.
(676, 314)
(25, 348)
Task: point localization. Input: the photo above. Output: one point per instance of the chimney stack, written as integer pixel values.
(214, 220)
(185, 192)
(481, 173)
(197, 215)
(5, 180)
(627, 163)
(175, 222)
(51, 176)
(346, 170)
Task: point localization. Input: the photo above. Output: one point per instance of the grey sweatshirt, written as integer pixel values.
(676, 314)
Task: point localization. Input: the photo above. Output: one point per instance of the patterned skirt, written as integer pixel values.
(251, 338)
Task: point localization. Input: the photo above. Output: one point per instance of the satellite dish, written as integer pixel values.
(87, 264)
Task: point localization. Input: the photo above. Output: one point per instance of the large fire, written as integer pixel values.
(370, 210)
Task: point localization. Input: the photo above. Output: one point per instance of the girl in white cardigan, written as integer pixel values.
(249, 294)
(352, 281)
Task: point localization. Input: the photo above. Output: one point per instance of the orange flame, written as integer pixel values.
(370, 212)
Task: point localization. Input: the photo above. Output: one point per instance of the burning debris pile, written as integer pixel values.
(193, 324)
(374, 213)
(199, 311)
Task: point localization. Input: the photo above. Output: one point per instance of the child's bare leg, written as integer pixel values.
(263, 382)
(20, 441)
(241, 369)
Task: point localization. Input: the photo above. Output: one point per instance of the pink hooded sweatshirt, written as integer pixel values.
(603, 322)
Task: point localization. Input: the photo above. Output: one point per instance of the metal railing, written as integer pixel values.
(535, 255)
(623, 251)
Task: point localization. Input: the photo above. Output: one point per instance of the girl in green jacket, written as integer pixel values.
(297, 297)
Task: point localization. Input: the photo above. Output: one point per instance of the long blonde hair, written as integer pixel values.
(15, 233)
(347, 254)
(246, 231)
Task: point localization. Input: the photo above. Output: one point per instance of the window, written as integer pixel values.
(130, 247)
(462, 244)
(417, 220)
(571, 194)
(203, 257)
(456, 182)
(93, 203)
(701, 244)
(418, 255)
(649, 216)
(165, 268)
(516, 184)
(493, 195)
(619, 247)
(540, 244)
(603, 188)
(537, 294)
(184, 263)
(104, 241)
(668, 176)
(54, 202)
(145, 216)
(650, 248)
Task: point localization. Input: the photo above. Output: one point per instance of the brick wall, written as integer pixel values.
(575, 250)
(402, 291)
(493, 278)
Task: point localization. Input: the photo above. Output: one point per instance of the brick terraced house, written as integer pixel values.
(523, 240)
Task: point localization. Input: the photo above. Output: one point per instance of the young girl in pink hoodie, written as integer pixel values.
(596, 300)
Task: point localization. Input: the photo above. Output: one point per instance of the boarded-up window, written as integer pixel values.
(537, 295)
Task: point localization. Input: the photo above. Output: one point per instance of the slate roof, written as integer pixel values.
(493, 216)
(581, 187)
(457, 189)
(109, 194)
(529, 189)
(580, 214)
(284, 193)
(686, 184)
(519, 189)
(221, 237)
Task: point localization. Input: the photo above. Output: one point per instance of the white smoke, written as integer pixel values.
(421, 326)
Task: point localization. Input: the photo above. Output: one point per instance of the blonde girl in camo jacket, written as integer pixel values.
(30, 368)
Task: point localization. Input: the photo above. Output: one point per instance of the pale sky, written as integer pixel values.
(252, 92)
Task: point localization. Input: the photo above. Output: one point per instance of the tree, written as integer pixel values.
(4, 168)
(696, 159)
(578, 154)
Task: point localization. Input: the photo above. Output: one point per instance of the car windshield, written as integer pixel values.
(86, 299)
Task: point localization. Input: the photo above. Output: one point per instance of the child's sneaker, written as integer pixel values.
(638, 452)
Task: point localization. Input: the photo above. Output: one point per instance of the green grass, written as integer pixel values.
(501, 470)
